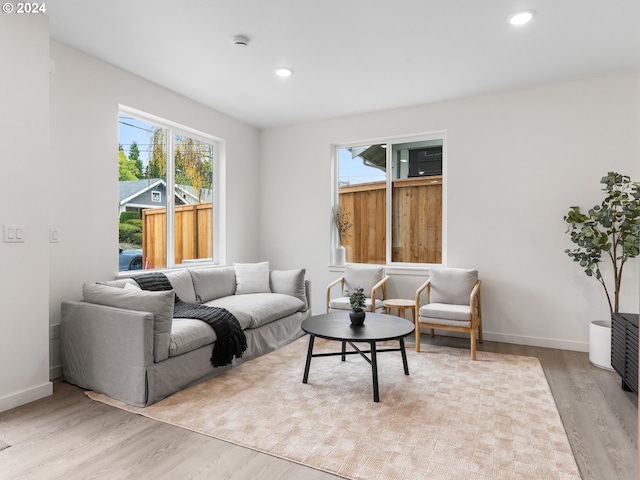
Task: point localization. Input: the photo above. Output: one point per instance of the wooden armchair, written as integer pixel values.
(370, 277)
(452, 303)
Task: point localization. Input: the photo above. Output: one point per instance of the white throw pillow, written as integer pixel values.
(252, 278)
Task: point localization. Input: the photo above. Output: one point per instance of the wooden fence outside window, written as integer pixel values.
(417, 221)
(417, 225)
(193, 234)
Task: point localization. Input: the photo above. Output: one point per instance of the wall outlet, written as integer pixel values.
(54, 331)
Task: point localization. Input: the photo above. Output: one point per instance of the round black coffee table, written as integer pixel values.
(377, 328)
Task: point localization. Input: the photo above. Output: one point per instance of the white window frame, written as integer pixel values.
(218, 237)
(400, 267)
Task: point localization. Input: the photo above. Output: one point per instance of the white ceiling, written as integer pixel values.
(348, 56)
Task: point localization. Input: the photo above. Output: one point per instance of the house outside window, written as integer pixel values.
(168, 194)
(406, 174)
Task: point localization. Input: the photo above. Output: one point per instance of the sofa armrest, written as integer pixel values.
(107, 349)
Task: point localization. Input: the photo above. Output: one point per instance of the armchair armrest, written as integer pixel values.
(382, 284)
(474, 298)
(425, 286)
(330, 286)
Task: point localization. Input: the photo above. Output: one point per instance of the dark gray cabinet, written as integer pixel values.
(624, 348)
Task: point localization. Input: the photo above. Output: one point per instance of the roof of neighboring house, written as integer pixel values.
(132, 188)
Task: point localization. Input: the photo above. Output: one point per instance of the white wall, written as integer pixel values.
(85, 94)
(516, 161)
(24, 193)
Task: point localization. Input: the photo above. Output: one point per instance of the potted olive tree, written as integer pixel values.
(609, 233)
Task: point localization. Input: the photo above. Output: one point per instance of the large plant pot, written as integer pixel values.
(600, 343)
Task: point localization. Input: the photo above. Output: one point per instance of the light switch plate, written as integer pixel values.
(14, 233)
(54, 235)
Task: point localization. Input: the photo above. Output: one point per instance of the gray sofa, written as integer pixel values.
(123, 341)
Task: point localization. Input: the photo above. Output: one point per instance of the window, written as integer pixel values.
(168, 194)
(406, 174)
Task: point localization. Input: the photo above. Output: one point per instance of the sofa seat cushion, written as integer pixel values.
(255, 309)
(189, 334)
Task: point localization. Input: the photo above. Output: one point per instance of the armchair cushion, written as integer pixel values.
(452, 285)
(365, 276)
(342, 303)
(446, 311)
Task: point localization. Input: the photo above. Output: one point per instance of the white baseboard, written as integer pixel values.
(55, 372)
(537, 342)
(26, 396)
(519, 339)
(523, 340)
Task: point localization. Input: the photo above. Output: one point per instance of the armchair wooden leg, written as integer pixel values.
(417, 338)
(480, 331)
(473, 344)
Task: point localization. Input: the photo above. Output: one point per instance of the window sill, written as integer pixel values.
(408, 270)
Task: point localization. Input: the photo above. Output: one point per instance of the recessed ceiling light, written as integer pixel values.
(521, 18)
(284, 72)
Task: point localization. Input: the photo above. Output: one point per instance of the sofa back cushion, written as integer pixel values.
(214, 282)
(182, 283)
(289, 282)
(158, 303)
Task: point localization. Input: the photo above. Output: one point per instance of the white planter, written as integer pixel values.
(340, 255)
(600, 343)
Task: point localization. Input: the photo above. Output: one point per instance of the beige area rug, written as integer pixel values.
(451, 418)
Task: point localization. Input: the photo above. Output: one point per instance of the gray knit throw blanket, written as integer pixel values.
(230, 341)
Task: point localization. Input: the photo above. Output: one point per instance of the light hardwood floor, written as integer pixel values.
(69, 436)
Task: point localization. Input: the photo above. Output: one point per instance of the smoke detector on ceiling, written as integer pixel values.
(240, 41)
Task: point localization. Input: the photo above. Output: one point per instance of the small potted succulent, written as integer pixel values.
(357, 300)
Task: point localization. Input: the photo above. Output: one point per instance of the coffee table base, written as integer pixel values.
(373, 361)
